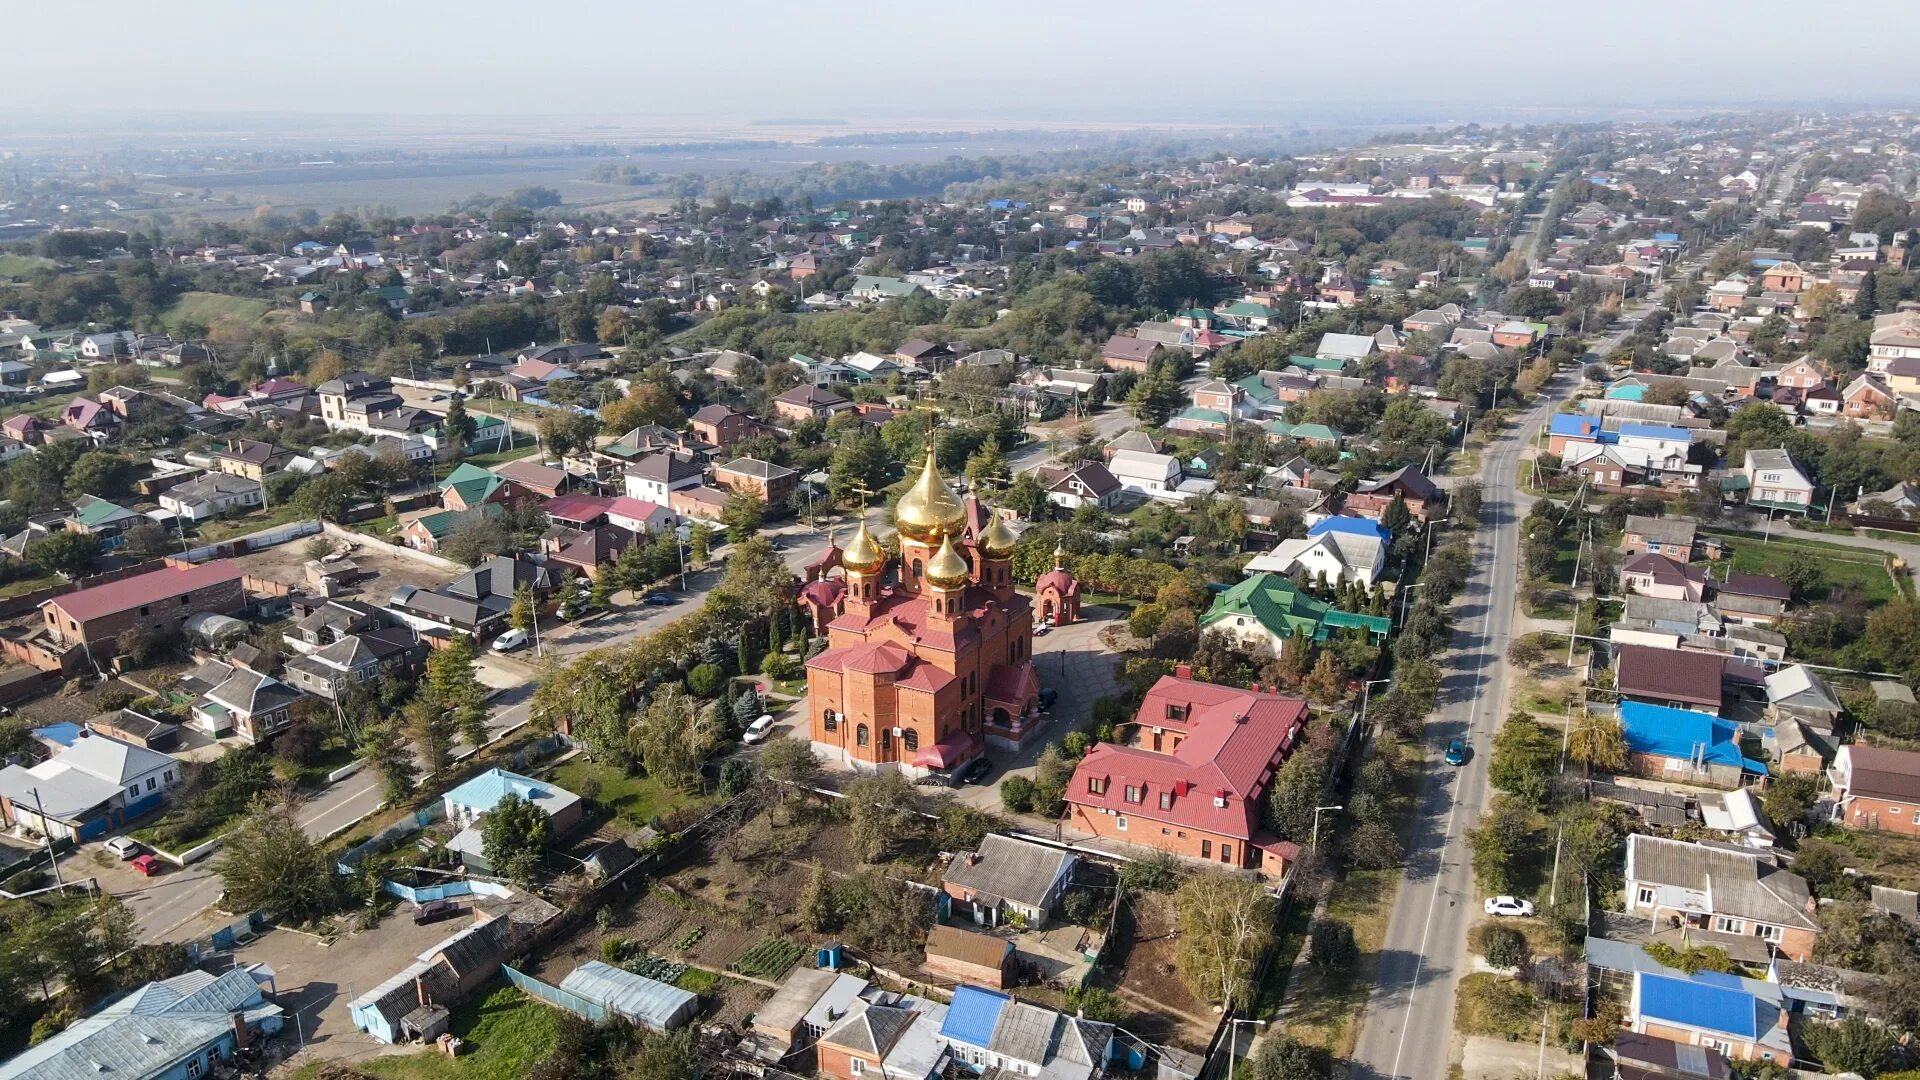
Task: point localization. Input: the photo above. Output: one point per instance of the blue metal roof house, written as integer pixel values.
(1679, 743)
(1574, 426)
(174, 1029)
(1712, 1009)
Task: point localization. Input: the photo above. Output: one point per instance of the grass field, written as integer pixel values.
(212, 532)
(1860, 571)
(637, 799)
(209, 309)
(506, 1033)
(21, 265)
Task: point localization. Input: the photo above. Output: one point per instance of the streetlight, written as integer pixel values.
(1233, 1041)
(1404, 590)
(1315, 845)
(1366, 689)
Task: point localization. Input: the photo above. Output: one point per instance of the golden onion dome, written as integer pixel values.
(862, 554)
(928, 511)
(999, 540)
(948, 570)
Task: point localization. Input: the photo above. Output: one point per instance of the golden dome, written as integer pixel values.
(999, 540)
(948, 570)
(862, 555)
(928, 511)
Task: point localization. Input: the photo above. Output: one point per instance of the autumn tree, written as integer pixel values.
(1226, 924)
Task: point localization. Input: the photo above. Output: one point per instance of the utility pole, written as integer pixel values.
(47, 835)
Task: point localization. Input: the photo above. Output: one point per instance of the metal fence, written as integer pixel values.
(555, 996)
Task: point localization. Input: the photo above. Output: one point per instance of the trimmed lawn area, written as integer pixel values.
(637, 799)
(212, 532)
(506, 1032)
(1861, 571)
(501, 457)
(21, 265)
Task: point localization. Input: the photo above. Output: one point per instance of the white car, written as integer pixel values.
(1509, 905)
(510, 641)
(123, 847)
(758, 730)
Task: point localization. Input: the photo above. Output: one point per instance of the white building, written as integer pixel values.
(212, 495)
(1153, 475)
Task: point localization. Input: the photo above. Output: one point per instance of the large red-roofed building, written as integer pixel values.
(1192, 776)
(160, 601)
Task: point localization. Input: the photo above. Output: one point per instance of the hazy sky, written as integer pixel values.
(972, 60)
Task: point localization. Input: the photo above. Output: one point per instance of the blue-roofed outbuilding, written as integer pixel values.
(1351, 526)
(1574, 426)
(1684, 735)
(1656, 431)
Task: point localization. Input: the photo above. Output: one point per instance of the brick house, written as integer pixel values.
(160, 601)
(1674, 678)
(718, 425)
(1663, 578)
(969, 956)
(1660, 536)
(1123, 352)
(804, 403)
(1372, 497)
(1876, 788)
(774, 484)
(1720, 890)
(1192, 776)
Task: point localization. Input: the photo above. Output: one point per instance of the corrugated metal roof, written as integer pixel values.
(636, 997)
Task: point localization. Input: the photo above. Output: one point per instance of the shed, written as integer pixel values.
(648, 1002)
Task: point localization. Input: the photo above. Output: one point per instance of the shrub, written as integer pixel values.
(115, 698)
(1331, 946)
(1504, 946)
(705, 679)
(1016, 794)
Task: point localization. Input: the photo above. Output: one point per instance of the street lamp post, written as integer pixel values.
(1366, 689)
(1404, 590)
(1315, 844)
(1233, 1041)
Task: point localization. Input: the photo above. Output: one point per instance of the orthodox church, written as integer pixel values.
(929, 656)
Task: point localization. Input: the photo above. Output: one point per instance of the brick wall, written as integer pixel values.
(163, 616)
(1149, 833)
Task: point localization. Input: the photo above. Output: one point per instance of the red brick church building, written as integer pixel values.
(929, 657)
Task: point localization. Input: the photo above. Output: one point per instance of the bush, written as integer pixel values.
(780, 666)
(1016, 794)
(115, 698)
(705, 679)
(1331, 946)
(1100, 1006)
(1504, 946)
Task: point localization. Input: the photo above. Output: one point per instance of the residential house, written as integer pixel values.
(191, 1025)
(1335, 549)
(657, 476)
(477, 602)
(1348, 349)
(772, 484)
(577, 510)
(240, 701)
(1775, 481)
(1868, 398)
(804, 403)
(1008, 877)
(104, 521)
(1371, 498)
(1895, 336)
(159, 601)
(874, 288)
(469, 487)
(1722, 1015)
(990, 1032)
(1125, 353)
(95, 785)
(640, 517)
(355, 400)
(535, 478)
(1876, 788)
(1799, 692)
(1720, 890)
(721, 426)
(426, 532)
(467, 804)
(969, 956)
(413, 1003)
(330, 671)
(1190, 775)
(1088, 483)
(1660, 536)
(1752, 599)
(1670, 677)
(251, 459)
(1264, 610)
(1153, 475)
(1664, 578)
(212, 495)
(882, 1038)
(1685, 746)
(700, 501)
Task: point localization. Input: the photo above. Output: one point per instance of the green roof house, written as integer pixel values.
(469, 486)
(1311, 434)
(1267, 609)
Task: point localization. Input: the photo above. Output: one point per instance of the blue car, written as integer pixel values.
(658, 599)
(1456, 753)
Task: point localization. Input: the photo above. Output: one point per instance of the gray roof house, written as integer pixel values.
(174, 1027)
(1009, 874)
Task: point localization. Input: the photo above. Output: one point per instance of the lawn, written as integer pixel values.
(31, 578)
(506, 1032)
(501, 457)
(210, 309)
(637, 799)
(1860, 571)
(21, 265)
(213, 532)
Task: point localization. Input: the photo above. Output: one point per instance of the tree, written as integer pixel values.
(458, 424)
(1226, 924)
(1373, 845)
(69, 554)
(1328, 681)
(1525, 759)
(1805, 578)
(1504, 946)
(746, 707)
(453, 689)
(271, 864)
(1788, 797)
(100, 473)
(1016, 794)
(1331, 947)
(521, 615)
(1155, 398)
(382, 747)
(513, 838)
(882, 811)
(700, 540)
(815, 905)
(1283, 1057)
(325, 496)
(675, 735)
(1504, 845)
(1598, 742)
(743, 514)
(646, 403)
(1854, 1045)
(791, 764)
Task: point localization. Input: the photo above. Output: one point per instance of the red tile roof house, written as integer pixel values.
(1193, 780)
(93, 619)
(1875, 788)
(1673, 678)
(1664, 578)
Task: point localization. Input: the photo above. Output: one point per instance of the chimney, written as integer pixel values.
(241, 1036)
(1183, 671)
(420, 990)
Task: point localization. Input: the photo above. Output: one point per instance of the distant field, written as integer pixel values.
(208, 309)
(21, 265)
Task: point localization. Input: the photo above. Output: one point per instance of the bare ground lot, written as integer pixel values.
(382, 571)
(1141, 968)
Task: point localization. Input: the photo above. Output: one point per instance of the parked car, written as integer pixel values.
(976, 771)
(434, 911)
(1509, 905)
(658, 599)
(1042, 630)
(123, 847)
(758, 731)
(147, 865)
(1456, 753)
(510, 641)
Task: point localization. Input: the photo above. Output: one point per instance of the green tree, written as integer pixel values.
(1331, 947)
(1504, 946)
(325, 496)
(67, 553)
(675, 736)
(1505, 845)
(453, 687)
(1598, 742)
(458, 424)
(743, 514)
(434, 731)
(1525, 759)
(1283, 1057)
(1226, 923)
(382, 747)
(1788, 797)
(521, 615)
(269, 863)
(1155, 398)
(700, 539)
(100, 473)
(514, 836)
(883, 810)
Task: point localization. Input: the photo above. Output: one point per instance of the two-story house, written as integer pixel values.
(657, 476)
